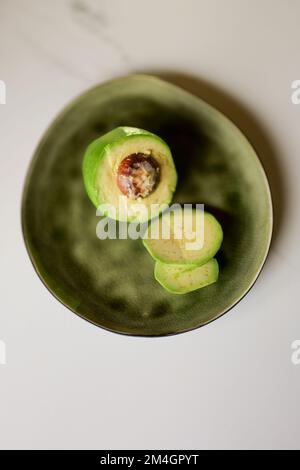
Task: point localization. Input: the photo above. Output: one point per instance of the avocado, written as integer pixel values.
(194, 237)
(128, 172)
(181, 279)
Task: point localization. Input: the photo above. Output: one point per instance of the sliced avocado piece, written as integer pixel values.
(181, 279)
(183, 236)
(127, 171)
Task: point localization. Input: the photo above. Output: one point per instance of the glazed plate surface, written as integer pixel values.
(111, 282)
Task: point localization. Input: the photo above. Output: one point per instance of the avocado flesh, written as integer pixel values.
(207, 241)
(181, 279)
(100, 168)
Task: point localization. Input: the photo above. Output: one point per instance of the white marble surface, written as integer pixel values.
(231, 384)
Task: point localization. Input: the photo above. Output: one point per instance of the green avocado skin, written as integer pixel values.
(98, 148)
(92, 158)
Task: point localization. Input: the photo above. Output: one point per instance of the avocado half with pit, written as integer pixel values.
(184, 236)
(129, 174)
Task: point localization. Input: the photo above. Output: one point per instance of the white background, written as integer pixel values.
(68, 384)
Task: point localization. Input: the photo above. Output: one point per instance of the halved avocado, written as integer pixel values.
(127, 172)
(181, 279)
(184, 236)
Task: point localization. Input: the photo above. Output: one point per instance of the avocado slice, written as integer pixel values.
(184, 236)
(127, 172)
(181, 279)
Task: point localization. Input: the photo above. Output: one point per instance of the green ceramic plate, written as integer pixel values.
(111, 282)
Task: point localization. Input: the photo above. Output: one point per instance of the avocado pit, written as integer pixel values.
(138, 175)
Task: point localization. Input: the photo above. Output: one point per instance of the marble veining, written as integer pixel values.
(93, 19)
